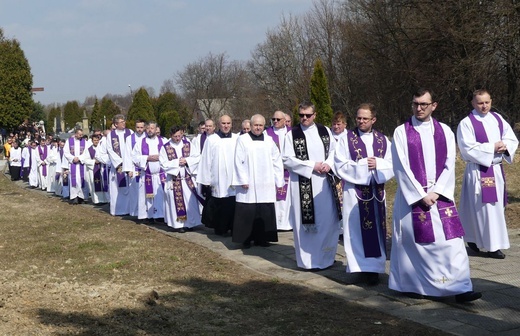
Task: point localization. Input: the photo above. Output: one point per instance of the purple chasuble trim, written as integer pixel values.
(421, 216)
(75, 166)
(487, 174)
(98, 185)
(116, 146)
(43, 156)
(368, 201)
(148, 185)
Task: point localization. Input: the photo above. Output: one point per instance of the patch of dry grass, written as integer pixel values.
(74, 270)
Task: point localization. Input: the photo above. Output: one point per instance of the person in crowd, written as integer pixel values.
(30, 166)
(115, 153)
(43, 159)
(246, 126)
(215, 171)
(178, 158)
(15, 161)
(288, 120)
(72, 152)
(339, 126)
(428, 256)
(363, 161)
(485, 141)
(94, 172)
(258, 171)
(308, 154)
(277, 132)
(134, 181)
(145, 155)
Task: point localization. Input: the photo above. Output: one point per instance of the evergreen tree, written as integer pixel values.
(54, 113)
(141, 107)
(38, 112)
(16, 101)
(72, 114)
(170, 110)
(96, 118)
(108, 110)
(320, 96)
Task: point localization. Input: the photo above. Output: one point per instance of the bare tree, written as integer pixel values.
(211, 82)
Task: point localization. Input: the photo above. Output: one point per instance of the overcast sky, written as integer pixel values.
(79, 48)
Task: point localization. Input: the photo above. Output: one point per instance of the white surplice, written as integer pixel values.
(174, 171)
(42, 179)
(90, 162)
(314, 249)
(149, 207)
(259, 165)
(282, 206)
(440, 268)
(484, 223)
(52, 166)
(216, 165)
(29, 156)
(353, 172)
(134, 183)
(119, 196)
(80, 189)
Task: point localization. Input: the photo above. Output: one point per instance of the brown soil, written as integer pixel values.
(75, 270)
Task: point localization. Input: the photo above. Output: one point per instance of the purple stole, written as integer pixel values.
(98, 186)
(116, 146)
(74, 166)
(281, 193)
(180, 206)
(305, 185)
(203, 137)
(421, 216)
(148, 185)
(487, 174)
(367, 199)
(43, 156)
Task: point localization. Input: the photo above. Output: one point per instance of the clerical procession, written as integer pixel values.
(325, 185)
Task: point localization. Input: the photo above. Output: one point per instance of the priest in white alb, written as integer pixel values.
(72, 152)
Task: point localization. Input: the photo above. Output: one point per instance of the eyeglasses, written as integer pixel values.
(422, 105)
(276, 119)
(306, 115)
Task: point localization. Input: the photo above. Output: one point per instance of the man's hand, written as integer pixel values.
(182, 161)
(153, 158)
(371, 163)
(321, 168)
(430, 199)
(500, 147)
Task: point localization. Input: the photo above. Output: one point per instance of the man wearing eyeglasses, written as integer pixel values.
(277, 132)
(428, 255)
(485, 141)
(308, 154)
(363, 160)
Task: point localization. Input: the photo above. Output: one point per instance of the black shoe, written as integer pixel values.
(413, 295)
(468, 297)
(246, 245)
(473, 247)
(371, 278)
(181, 230)
(496, 255)
(262, 243)
(80, 200)
(74, 201)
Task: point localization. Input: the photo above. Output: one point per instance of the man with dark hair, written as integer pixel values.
(152, 178)
(73, 150)
(15, 161)
(363, 160)
(115, 152)
(308, 154)
(134, 180)
(181, 202)
(428, 255)
(485, 141)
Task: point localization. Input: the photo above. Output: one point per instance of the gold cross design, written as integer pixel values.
(448, 212)
(422, 217)
(488, 181)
